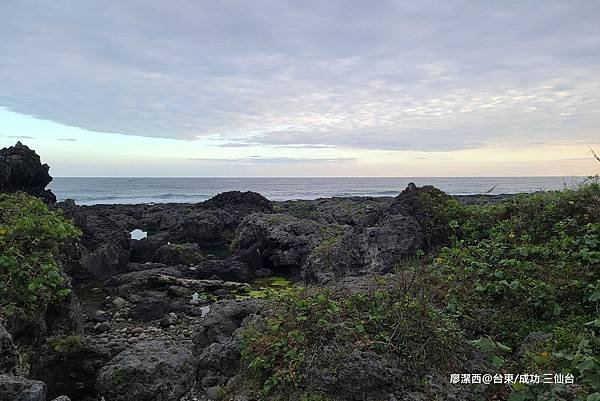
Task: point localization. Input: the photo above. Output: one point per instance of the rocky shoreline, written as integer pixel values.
(160, 318)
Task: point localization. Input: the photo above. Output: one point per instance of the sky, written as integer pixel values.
(302, 88)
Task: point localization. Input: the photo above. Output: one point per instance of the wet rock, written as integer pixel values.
(22, 170)
(152, 370)
(9, 355)
(13, 388)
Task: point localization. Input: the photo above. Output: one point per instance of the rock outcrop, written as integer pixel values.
(154, 370)
(22, 170)
(8, 352)
(13, 388)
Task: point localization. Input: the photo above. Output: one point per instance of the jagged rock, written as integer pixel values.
(179, 254)
(62, 398)
(217, 341)
(13, 388)
(70, 370)
(153, 370)
(230, 269)
(104, 249)
(9, 355)
(280, 242)
(241, 202)
(382, 240)
(144, 250)
(22, 170)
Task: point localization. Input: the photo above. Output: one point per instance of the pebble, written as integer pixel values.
(212, 393)
(137, 330)
(132, 340)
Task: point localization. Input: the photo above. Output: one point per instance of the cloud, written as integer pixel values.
(278, 160)
(67, 139)
(19, 137)
(414, 75)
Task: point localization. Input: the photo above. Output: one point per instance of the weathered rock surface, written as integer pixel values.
(13, 388)
(70, 371)
(380, 241)
(280, 242)
(217, 341)
(104, 249)
(155, 370)
(8, 353)
(179, 254)
(22, 170)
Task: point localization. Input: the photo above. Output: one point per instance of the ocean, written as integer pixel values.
(88, 191)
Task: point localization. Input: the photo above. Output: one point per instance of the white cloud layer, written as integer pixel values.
(396, 75)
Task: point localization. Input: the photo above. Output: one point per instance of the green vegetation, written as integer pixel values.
(529, 264)
(31, 238)
(495, 274)
(316, 328)
(65, 344)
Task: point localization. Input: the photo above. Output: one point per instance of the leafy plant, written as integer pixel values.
(31, 239)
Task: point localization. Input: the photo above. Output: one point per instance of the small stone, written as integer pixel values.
(212, 393)
(132, 340)
(119, 302)
(137, 330)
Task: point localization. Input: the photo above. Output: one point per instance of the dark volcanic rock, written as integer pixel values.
(22, 170)
(104, 249)
(14, 388)
(382, 240)
(217, 342)
(155, 370)
(8, 353)
(179, 254)
(240, 202)
(144, 250)
(280, 242)
(72, 371)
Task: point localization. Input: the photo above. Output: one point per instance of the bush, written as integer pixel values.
(530, 264)
(313, 329)
(31, 239)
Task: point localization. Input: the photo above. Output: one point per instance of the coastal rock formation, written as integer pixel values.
(22, 170)
(381, 240)
(8, 353)
(13, 388)
(280, 242)
(217, 340)
(69, 365)
(104, 249)
(154, 370)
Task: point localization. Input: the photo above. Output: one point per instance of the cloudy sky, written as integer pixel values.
(286, 87)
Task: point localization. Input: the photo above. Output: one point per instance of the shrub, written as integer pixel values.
(31, 238)
(306, 322)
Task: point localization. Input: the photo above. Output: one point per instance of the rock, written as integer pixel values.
(212, 393)
(70, 370)
(152, 370)
(9, 356)
(104, 248)
(205, 227)
(241, 202)
(264, 272)
(22, 170)
(382, 240)
(217, 341)
(62, 398)
(280, 242)
(144, 250)
(13, 388)
(179, 254)
(102, 327)
(119, 303)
